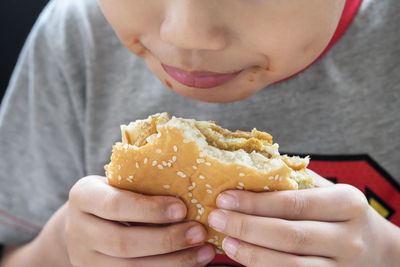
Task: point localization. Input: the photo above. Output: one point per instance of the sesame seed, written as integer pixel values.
(198, 217)
(166, 186)
(209, 186)
(199, 206)
(181, 174)
(194, 167)
(154, 163)
(190, 188)
(200, 161)
(202, 177)
(186, 141)
(194, 201)
(137, 165)
(159, 151)
(239, 187)
(175, 148)
(173, 158)
(126, 146)
(119, 178)
(276, 177)
(169, 164)
(159, 135)
(241, 184)
(209, 191)
(216, 237)
(160, 166)
(193, 184)
(241, 174)
(201, 211)
(145, 160)
(266, 187)
(210, 240)
(164, 163)
(119, 167)
(280, 178)
(208, 163)
(130, 177)
(110, 172)
(201, 154)
(271, 178)
(190, 194)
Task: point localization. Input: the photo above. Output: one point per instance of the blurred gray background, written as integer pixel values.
(16, 19)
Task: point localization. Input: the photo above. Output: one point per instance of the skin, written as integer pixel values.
(267, 40)
(331, 225)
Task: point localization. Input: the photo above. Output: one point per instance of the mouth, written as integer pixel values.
(199, 79)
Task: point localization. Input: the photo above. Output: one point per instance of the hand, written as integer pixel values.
(331, 225)
(95, 235)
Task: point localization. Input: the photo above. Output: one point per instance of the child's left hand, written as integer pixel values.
(330, 225)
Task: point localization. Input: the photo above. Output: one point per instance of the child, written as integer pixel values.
(235, 62)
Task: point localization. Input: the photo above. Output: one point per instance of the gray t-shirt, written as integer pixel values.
(75, 83)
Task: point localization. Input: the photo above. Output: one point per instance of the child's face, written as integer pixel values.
(224, 50)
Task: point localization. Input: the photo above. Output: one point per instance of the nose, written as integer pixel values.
(193, 25)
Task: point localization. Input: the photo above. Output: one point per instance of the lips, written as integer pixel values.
(199, 79)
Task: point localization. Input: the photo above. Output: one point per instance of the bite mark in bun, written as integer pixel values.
(197, 160)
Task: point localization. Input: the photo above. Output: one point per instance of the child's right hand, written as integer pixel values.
(95, 237)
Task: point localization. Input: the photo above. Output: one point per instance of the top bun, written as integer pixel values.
(197, 160)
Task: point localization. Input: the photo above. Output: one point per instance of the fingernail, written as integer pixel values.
(227, 201)
(175, 211)
(195, 235)
(205, 254)
(217, 219)
(230, 246)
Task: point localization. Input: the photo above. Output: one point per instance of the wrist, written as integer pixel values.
(47, 249)
(50, 244)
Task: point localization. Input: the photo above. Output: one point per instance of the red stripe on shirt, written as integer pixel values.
(20, 221)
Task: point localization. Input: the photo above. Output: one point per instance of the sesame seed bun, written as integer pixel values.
(197, 160)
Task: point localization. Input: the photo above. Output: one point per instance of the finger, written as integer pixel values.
(319, 180)
(94, 195)
(139, 241)
(198, 256)
(251, 255)
(301, 237)
(334, 203)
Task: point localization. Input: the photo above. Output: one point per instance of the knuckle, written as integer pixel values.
(248, 255)
(111, 202)
(252, 258)
(75, 194)
(243, 228)
(357, 247)
(123, 246)
(168, 239)
(356, 200)
(188, 259)
(296, 238)
(297, 204)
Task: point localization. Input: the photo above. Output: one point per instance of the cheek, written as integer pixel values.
(130, 18)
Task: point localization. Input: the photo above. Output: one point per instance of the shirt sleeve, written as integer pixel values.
(41, 136)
